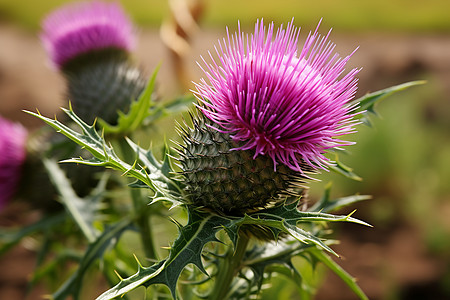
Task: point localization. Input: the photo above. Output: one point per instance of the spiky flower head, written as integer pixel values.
(83, 27)
(267, 115)
(12, 156)
(226, 181)
(286, 104)
(90, 43)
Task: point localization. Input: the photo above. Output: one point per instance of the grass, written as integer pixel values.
(354, 15)
(351, 15)
(28, 13)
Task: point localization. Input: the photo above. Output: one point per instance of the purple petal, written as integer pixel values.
(78, 28)
(289, 106)
(12, 155)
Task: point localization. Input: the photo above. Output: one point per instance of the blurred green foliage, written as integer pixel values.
(404, 161)
(29, 13)
(354, 15)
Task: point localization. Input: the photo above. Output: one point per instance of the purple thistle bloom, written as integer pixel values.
(83, 27)
(12, 156)
(287, 105)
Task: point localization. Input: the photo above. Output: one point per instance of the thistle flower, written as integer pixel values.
(90, 42)
(80, 28)
(269, 103)
(288, 106)
(12, 156)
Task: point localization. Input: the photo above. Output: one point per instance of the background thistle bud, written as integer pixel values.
(101, 83)
(22, 173)
(90, 43)
(268, 114)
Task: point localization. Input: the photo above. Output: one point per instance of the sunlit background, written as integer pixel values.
(404, 159)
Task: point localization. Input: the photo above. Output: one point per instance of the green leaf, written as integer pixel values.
(368, 102)
(104, 155)
(179, 104)
(166, 108)
(344, 170)
(285, 218)
(48, 270)
(96, 249)
(145, 110)
(347, 278)
(325, 204)
(305, 291)
(187, 248)
(83, 211)
(292, 215)
(275, 257)
(11, 237)
(138, 112)
(202, 228)
(158, 172)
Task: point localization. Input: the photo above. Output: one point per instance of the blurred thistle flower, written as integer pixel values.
(13, 138)
(267, 117)
(80, 28)
(90, 42)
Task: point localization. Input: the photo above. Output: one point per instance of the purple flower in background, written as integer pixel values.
(290, 106)
(83, 27)
(91, 43)
(12, 156)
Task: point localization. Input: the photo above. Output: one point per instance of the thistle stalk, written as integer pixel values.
(142, 215)
(143, 219)
(229, 268)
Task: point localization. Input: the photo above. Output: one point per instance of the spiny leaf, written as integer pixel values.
(88, 139)
(368, 102)
(138, 112)
(83, 211)
(157, 171)
(347, 278)
(292, 215)
(139, 279)
(277, 253)
(179, 104)
(305, 291)
(325, 204)
(344, 170)
(269, 220)
(276, 257)
(172, 107)
(285, 218)
(104, 155)
(166, 166)
(343, 202)
(186, 249)
(95, 251)
(202, 228)
(242, 288)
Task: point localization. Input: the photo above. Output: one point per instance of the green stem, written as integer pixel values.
(142, 213)
(143, 221)
(229, 268)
